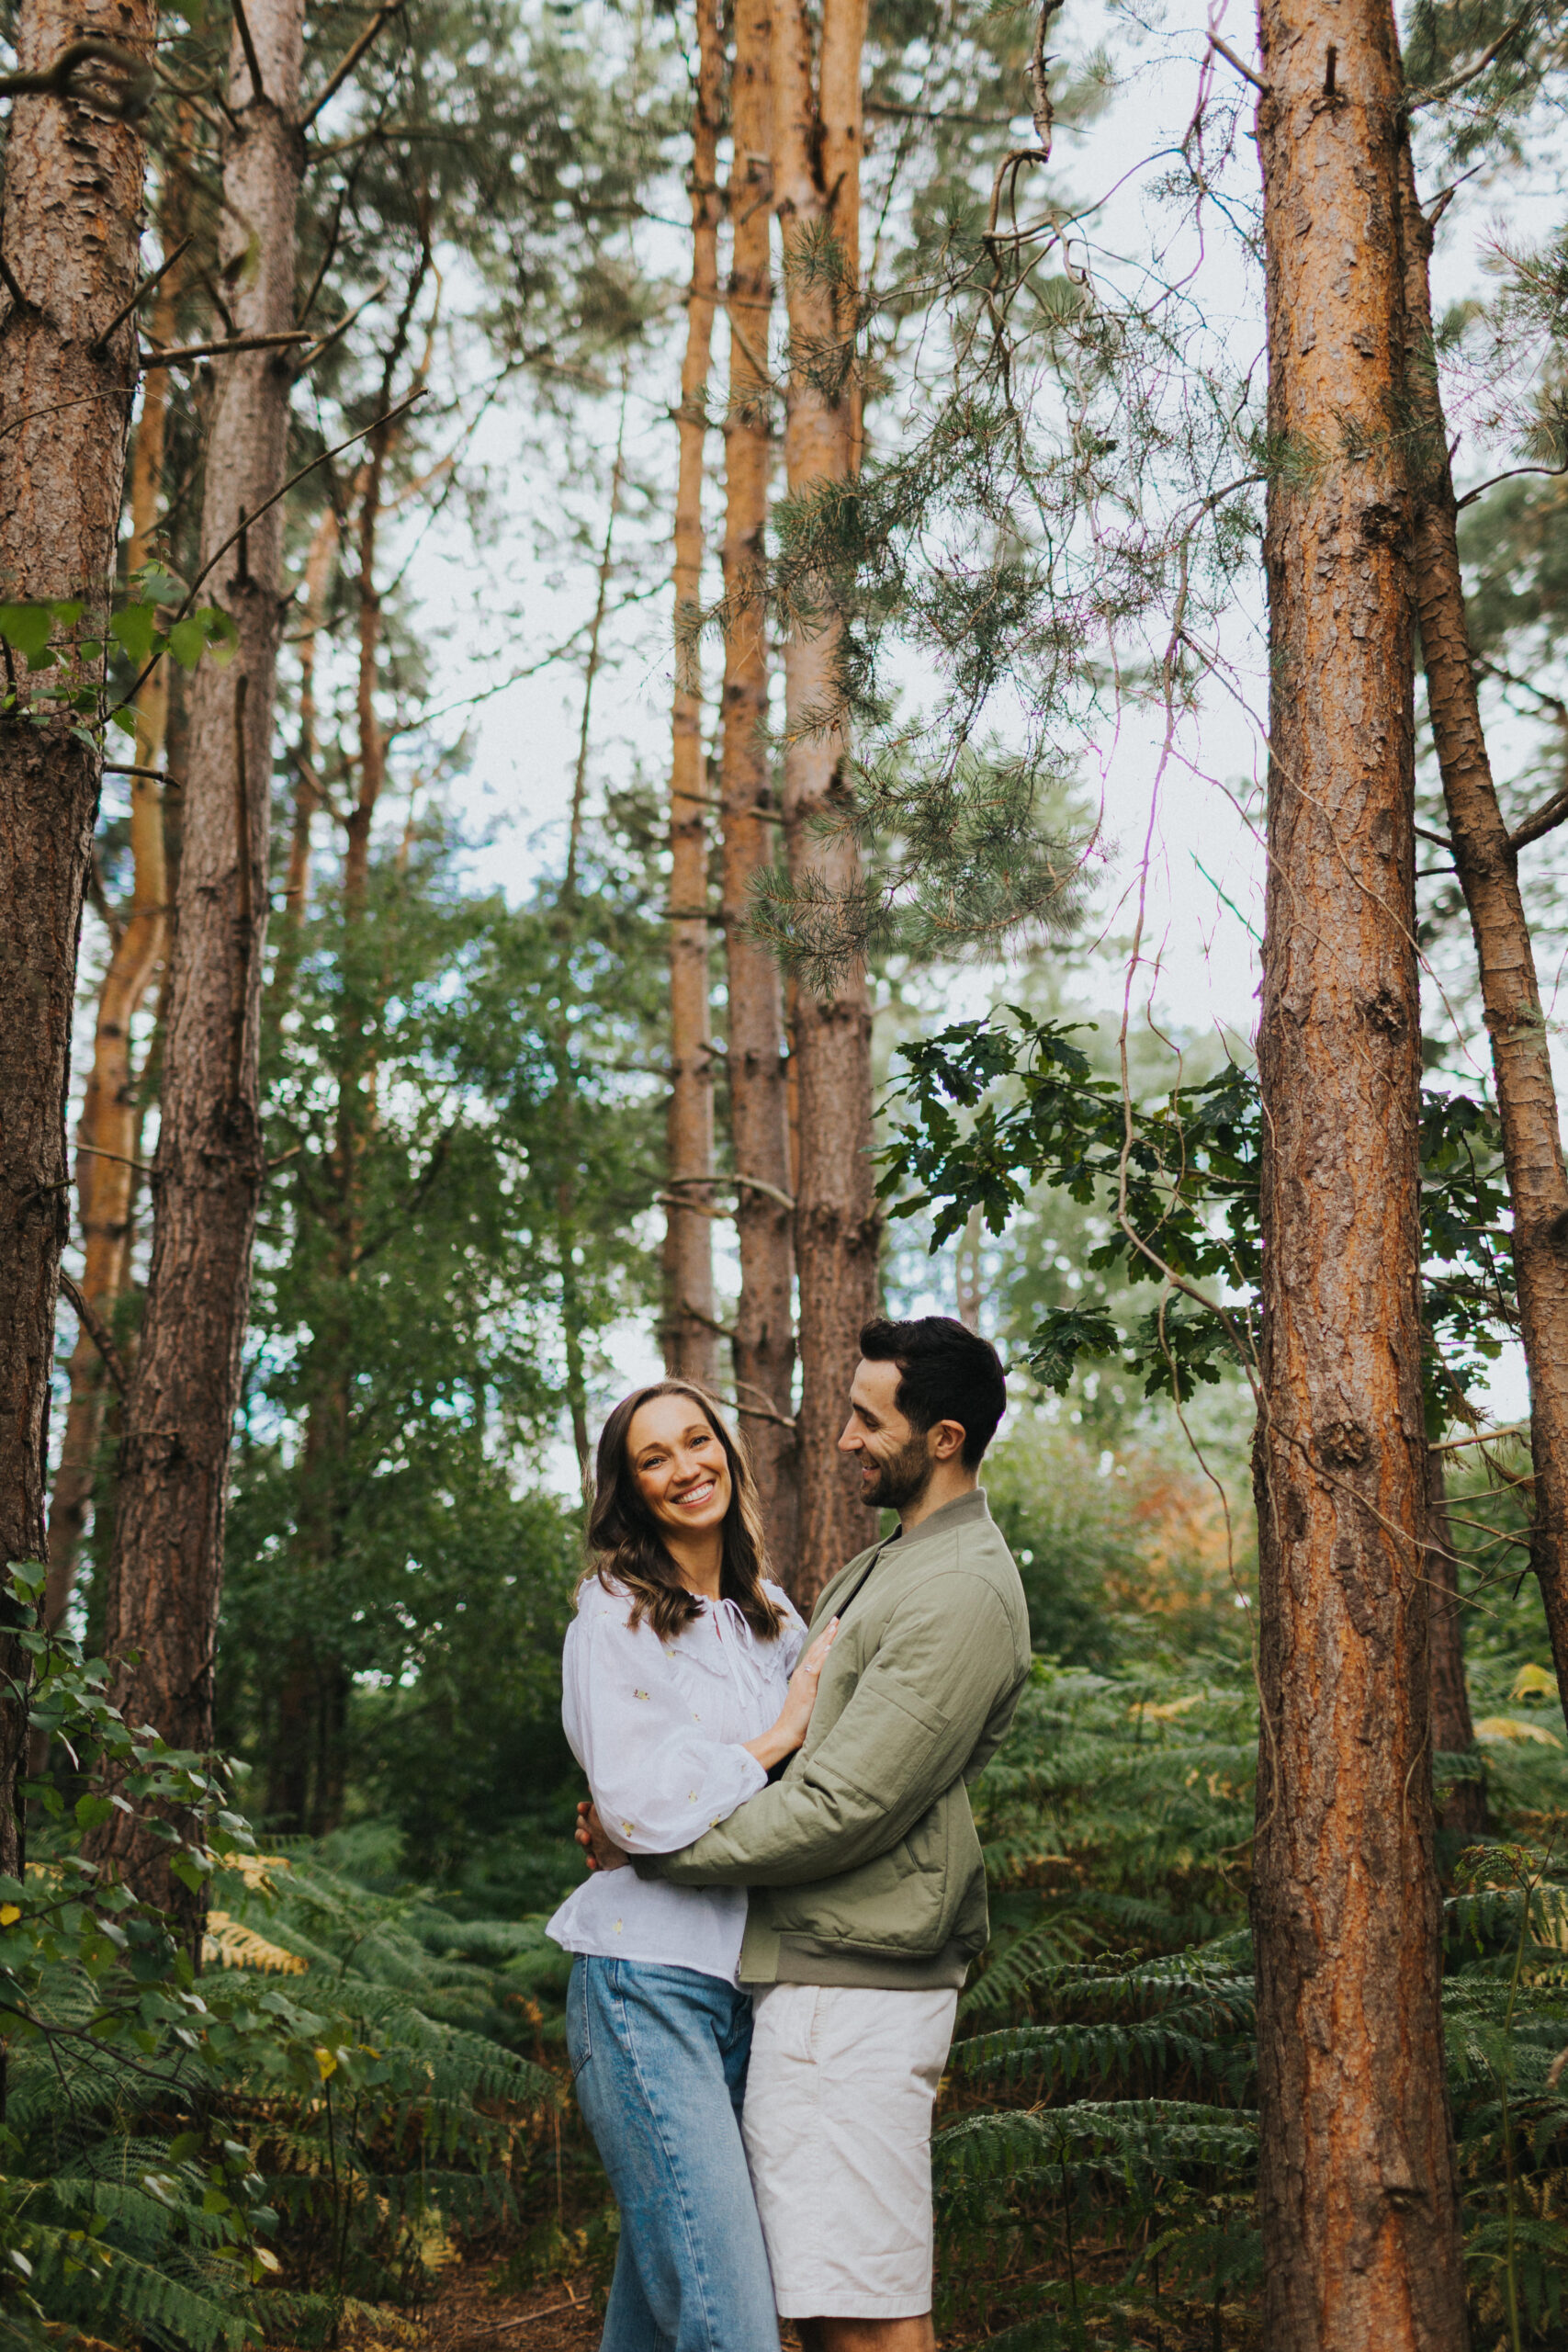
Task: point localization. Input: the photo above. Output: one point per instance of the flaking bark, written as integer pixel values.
(754, 1039)
(166, 1567)
(111, 1114)
(1488, 872)
(70, 221)
(690, 1346)
(1357, 2191)
(816, 150)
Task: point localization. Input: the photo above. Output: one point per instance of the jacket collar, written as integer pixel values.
(957, 1513)
(842, 1588)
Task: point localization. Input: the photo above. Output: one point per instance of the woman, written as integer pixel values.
(682, 1692)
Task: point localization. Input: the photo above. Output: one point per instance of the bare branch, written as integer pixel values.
(1222, 48)
(126, 98)
(219, 350)
(248, 45)
(100, 342)
(1546, 820)
(97, 1331)
(346, 65)
(1440, 90)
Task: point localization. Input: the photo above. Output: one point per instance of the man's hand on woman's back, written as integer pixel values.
(599, 1847)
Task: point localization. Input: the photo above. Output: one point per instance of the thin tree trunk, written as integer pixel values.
(1489, 876)
(690, 1351)
(70, 217)
(319, 562)
(166, 1566)
(109, 1133)
(1357, 2187)
(1454, 1727)
(754, 1041)
(568, 911)
(816, 187)
(308, 1759)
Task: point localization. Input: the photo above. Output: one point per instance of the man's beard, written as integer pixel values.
(902, 1479)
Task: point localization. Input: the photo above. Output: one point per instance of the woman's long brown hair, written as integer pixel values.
(624, 1537)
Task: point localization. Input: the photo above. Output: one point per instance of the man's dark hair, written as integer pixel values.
(947, 1373)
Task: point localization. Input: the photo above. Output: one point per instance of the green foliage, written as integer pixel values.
(50, 640)
(283, 2141)
(1177, 1183)
(1098, 2171)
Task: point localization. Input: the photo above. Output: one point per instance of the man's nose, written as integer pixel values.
(848, 1440)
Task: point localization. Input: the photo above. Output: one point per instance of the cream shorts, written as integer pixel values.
(838, 2127)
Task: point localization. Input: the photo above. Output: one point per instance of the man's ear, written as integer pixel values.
(946, 1439)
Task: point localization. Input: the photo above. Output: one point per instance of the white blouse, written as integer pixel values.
(658, 1728)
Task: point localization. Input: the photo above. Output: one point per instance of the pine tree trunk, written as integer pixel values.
(1357, 2187)
(1454, 1727)
(754, 1043)
(816, 187)
(308, 1762)
(1489, 877)
(166, 1566)
(109, 1134)
(70, 217)
(690, 1349)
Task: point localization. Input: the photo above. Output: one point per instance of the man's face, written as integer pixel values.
(896, 1461)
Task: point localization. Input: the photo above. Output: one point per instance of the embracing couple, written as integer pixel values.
(786, 1888)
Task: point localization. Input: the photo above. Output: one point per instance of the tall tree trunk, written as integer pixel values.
(108, 1136)
(1358, 2185)
(308, 1744)
(817, 149)
(1453, 1728)
(1488, 869)
(568, 909)
(166, 1566)
(70, 217)
(754, 1041)
(690, 1349)
(319, 563)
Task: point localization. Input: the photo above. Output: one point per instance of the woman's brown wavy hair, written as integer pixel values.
(625, 1543)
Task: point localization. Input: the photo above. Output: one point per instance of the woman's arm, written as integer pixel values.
(659, 1782)
(596, 1829)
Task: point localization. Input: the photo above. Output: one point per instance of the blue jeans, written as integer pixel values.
(658, 2058)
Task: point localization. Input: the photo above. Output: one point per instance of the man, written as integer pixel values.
(867, 1886)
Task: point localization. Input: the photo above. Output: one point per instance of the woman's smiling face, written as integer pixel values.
(682, 1470)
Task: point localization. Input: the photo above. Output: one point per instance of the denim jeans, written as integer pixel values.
(659, 2057)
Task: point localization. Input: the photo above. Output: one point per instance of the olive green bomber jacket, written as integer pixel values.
(862, 1860)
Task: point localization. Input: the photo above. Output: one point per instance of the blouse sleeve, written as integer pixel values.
(659, 1782)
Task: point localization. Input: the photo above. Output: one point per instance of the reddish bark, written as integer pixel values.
(817, 148)
(70, 217)
(690, 1349)
(755, 1041)
(1488, 868)
(1358, 2188)
(166, 1566)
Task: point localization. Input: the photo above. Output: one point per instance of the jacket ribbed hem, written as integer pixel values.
(799, 1960)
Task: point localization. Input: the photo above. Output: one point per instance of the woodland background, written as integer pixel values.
(668, 967)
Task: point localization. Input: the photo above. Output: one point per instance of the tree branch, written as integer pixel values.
(99, 342)
(336, 80)
(206, 350)
(248, 45)
(1455, 81)
(97, 1332)
(1223, 49)
(126, 100)
(1546, 820)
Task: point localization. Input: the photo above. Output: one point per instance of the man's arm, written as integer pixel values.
(906, 1735)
